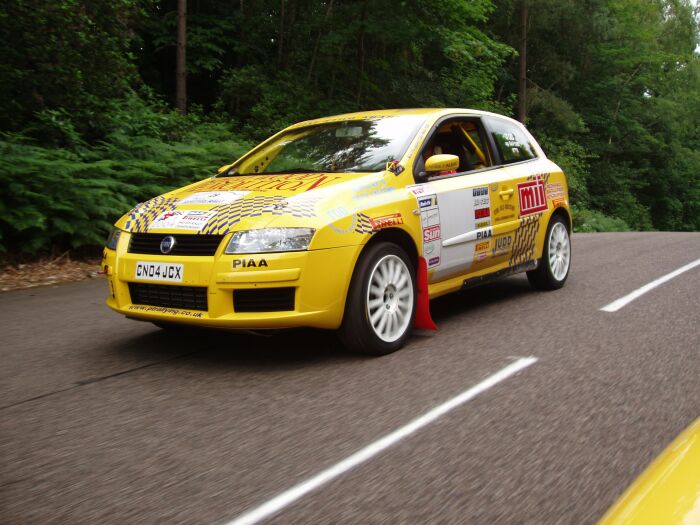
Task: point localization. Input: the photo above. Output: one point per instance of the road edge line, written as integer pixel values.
(295, 493)
(625, 300)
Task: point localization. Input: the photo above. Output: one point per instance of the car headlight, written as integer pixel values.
(270, 240)
(113, 238)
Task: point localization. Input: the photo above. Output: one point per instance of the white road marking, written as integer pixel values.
(622, 301)
(288, 497)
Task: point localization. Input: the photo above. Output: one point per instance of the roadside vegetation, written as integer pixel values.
(87, 94)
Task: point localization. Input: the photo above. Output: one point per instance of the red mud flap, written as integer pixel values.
(423, 320)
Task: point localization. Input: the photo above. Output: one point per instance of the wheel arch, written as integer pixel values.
(564, 214)
(397, 236)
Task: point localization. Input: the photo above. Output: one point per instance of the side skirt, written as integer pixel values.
(483, 279)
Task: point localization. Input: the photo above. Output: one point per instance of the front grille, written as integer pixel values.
(149, 243)
(185, 297)
(264, 300)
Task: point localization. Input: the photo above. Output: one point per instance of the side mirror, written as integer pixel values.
(224, 168)
(438, 163)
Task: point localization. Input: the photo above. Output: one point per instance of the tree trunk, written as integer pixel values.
(318, 41)
(181, 60)
(280, 42)
(361, 53)
(522, 75)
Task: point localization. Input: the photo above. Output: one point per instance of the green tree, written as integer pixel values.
(67, 55)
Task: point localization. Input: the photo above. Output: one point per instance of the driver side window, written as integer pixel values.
(463, 138)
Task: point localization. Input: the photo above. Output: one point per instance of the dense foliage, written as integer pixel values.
(86, 89)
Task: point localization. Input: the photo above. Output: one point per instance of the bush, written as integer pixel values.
(586, 221)
(64, 198)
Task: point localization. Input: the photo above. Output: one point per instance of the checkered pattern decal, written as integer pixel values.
(544, 176)
(228, 215)
(524, 241)
(143, 214)
(363, 225)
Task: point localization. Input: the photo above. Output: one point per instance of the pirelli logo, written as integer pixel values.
(386, 221)
(532, 196)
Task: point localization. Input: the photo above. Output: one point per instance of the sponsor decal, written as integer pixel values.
(344, 221)
(427, 202)
(480, 192)
(296, 182)
(482, 213)
(385, 221)
(503, 207)
(430, 222)
(372, 189)
(555, 190)
(480, 202)
(558, 203)
(419, 189)
(430, 218)
(249, 263)
(417, 141)
(494, 186)
(484, 234)
(164, 310)
(532, 196)
(481, 246)
(501, 245)
(481, 256)
(394, 167)
(431, 234)
(482, 224)
(214, 197)
(193, 220)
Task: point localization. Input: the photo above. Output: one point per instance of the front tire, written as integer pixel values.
(553, 270)
(381, 304)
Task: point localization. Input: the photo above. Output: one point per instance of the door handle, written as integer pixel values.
(505, 194)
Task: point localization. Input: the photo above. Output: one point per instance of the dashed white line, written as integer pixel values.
(622, 301)
(288, 497)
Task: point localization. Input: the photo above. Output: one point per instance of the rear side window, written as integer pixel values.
(511, 142)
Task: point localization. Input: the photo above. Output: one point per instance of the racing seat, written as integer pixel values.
(451, 143)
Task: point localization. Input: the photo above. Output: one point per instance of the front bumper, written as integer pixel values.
(320, 279)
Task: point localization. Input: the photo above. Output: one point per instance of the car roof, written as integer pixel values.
(379, 113)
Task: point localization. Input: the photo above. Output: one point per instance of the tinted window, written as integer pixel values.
(511, 142)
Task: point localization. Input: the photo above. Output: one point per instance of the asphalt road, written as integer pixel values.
(106, 420)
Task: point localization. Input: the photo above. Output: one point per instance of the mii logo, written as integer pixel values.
(532, 196)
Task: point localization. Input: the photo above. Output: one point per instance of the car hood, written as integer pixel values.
(219, 205)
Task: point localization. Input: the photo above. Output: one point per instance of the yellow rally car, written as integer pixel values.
(350, 222)
(668, 491)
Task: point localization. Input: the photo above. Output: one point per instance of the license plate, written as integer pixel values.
(159, 271)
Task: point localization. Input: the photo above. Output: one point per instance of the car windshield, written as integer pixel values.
(344, 146)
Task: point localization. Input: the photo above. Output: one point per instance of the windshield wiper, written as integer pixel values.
(292, 170)
(228, 173)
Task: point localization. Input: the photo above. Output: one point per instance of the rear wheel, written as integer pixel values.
(381, 304)
(554, 266)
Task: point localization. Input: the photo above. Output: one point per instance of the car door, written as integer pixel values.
(461, 233)
(522, 195)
